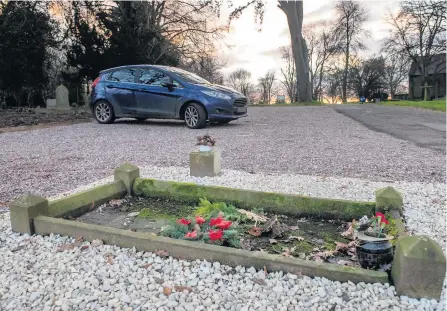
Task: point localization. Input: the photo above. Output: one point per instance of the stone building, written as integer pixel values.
(436, 81)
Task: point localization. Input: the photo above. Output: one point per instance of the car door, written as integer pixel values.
(120, 90)
(153, 98)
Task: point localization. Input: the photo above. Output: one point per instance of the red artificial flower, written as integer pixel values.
(215, 221)
(215, 235)
(382, 218)
(191, 234)
(200, 220)
(224, 224)
(184, 221)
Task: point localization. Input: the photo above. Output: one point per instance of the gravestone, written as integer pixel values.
(51, 103)
(62, 98)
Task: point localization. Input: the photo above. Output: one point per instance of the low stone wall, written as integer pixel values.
(419, 264)
(82, 202)
(193, 250)
(270, 202)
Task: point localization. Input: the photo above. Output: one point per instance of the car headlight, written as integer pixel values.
(217, 94)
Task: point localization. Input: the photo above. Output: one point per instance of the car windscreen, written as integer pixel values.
(188, 76)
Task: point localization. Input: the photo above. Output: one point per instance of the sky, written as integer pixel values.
(258, 51)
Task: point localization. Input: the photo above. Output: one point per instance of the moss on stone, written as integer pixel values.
(270, 202)
(148, 213)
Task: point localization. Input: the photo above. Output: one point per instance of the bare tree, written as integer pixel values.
(419, 31)
(323, 43)
(366, 76)
(351, 16)
(395, 72)
(294, 13)
(266, 86)
(240, 80)
(207, 67)
(289, 74)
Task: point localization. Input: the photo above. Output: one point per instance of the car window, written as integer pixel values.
(188, 76)
(123, 75)
(153, 77)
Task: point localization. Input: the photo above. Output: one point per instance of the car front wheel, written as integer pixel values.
(195, 116)
(103, 112)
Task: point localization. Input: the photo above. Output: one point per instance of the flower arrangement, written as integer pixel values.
(214, 230)
(206, 140)
(375, 226)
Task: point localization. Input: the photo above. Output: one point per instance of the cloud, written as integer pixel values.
(276, 52)
(318, 13)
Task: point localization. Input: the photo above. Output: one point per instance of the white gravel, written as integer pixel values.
(36, 276)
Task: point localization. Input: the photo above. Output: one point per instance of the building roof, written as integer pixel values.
(437, 66)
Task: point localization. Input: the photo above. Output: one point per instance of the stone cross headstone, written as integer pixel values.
(62, 97)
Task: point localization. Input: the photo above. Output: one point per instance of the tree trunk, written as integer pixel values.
(345, 75)
(294, 13)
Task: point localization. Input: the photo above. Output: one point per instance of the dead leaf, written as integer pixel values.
(288, 252)
(325, 254)
(259, 281)
(353, 244)
(253, 216)
(92, 206)
(293, 228)
(265, 271)
(383, 268)
(146, 266)
(162, 253)
(255, 231)
(273, 241)
(133, 229)
(341, 247)
(109, 259)
(182, 288)
(84, 247)
(65, 247)
(18, 248)
(80, 239)
(115, 202)
(167, 291)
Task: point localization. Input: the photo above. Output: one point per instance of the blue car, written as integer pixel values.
(162, 92)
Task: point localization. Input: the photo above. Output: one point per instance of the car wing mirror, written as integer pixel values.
(169, 85)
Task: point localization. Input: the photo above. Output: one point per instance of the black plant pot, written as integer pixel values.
(374, 254)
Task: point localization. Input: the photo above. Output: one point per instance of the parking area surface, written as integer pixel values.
(299, 140)
(425, 128)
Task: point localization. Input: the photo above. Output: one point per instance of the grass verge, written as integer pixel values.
(439, 104)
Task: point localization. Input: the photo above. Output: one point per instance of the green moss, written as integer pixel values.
(152, 214)
(392, 228)
(303, 247)
(188, 188)
(300, 206)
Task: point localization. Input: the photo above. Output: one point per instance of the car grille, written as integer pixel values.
(240, 102)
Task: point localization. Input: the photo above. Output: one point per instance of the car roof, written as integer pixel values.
(130, 66)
